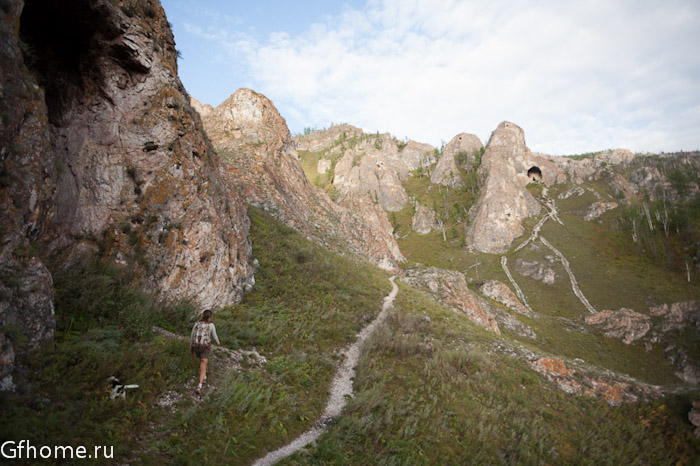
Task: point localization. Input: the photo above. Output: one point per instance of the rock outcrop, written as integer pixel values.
(598, 208)
(367, 165)
(504, 201)
(100, 145)
(678, 316)
(423, 220)
(606, 387)
(625, 324)
(263, 163)
(535, 270)
(450, 288)
(446, 171)
(500, 292)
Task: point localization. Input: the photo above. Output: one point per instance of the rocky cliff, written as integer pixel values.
(101, 150)
(504, 201)
(263, 162)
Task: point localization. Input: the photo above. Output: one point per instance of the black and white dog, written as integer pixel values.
(117, 389)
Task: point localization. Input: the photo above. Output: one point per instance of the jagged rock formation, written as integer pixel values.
(100, 146)
(367, 165)
(263, 163)
(535, 270)
(446, 172)
(504, 201)
(423, 220)
(624, 324)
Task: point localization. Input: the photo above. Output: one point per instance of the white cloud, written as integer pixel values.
(577, 76)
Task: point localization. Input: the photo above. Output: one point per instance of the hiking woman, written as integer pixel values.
(203, 333)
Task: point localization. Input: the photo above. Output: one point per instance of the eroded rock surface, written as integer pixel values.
(505, 202)
(446, 172)
(598, 208)
(100, 145)
(535, 270)
(423, 220)
(263, 163)
(605, 387)
(450, 288)
(500, 292)
(625, 324)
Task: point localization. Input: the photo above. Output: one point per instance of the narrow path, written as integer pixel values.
(340, 389)
(574, 284)
(518, 291)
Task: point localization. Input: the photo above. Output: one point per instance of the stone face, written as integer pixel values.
(504, 201)
(598, 208)
(500, 292)
(624, 324)
(423, 220)
(102, 143)
(446, 172)
(450, 288)
(535, 270)
(263, 163)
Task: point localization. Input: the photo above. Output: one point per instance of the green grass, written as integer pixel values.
(433, 393)
(308, 303)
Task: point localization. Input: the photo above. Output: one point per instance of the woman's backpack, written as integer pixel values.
(201, 339)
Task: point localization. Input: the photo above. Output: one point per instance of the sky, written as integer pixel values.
(577, 76)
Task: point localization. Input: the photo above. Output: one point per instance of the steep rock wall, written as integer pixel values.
(101, 149)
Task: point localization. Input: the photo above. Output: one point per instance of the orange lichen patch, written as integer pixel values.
(613, 393)
(551, 366)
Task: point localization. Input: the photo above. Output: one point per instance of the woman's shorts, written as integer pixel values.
(203, 354)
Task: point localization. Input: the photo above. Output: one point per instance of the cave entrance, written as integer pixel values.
(534, 174)
(58, 45)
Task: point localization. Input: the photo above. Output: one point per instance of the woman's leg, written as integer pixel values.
(202, 370)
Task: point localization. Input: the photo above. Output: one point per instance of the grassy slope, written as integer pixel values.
(308, 303)
(432, 393)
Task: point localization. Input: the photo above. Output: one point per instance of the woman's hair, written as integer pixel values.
(206, 315)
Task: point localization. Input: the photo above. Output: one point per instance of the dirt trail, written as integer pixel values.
(340, 389)
(518, 291)
(574, 284)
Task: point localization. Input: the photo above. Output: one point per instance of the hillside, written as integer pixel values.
(378, 301)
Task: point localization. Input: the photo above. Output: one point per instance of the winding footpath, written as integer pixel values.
(574, 284)
(340, 389)
(518, 291)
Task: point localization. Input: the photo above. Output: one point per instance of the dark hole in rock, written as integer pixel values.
(61, 47)
(534, 173)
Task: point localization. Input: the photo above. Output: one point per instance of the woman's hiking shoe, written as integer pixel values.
(199, 389)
